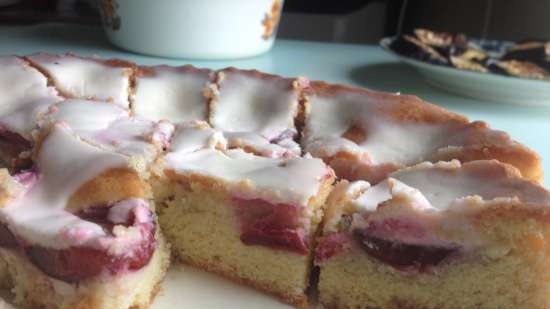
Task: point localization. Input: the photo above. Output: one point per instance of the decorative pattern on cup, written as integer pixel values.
(109, 14)
(271, 20)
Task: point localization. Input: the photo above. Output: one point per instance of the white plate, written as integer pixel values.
(187, 287)
(191, 288)
(484, 86)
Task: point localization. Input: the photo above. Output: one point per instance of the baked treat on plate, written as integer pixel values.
(79, 235)
(92, 144)
(366, 135)
(25, 94)
(87, 77)
(441, 235)
(177, 94)
(252, 219)
(251, 105)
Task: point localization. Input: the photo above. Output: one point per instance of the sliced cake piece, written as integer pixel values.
(256, 105)
(79, 231)
(177, 94)
(87, 77)
(252, 219)
(366, 135)
(25, 94)
(445, 235)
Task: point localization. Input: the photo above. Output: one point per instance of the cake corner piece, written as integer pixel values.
(444, 235)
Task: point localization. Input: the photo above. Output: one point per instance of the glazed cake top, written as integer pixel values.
(232, 126)
(22, 82)
(287, 181)
(25, 94)
(451, 186)
(111, 127)
(250, 101)
(344, 119)
(198, 149)
(87, 78)
(384, 132)
(191, 136)
(171, 93)
(439, 204)
(39, 214)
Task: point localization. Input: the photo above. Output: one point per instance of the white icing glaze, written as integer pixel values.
(24, 118)
(129, 136)
(86, 78)
(444, 186)
(171, 94)
(84, 115)
(193, 136)
(109, 126)
(252, 104)
(190, 137)
(39, 216)
(373, 196)
(261, 146)
(386, 140)
(25, 94)
(293, 180)
(406, 144)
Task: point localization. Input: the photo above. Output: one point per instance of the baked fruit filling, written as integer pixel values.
(419, 217)
(278, 226)
(395, 250)
(402, 254)
(13, 147)
(112, 253)
(74, 222)
(127, 243)
(428, 235)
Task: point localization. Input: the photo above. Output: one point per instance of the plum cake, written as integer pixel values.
(109, 168)
(444, 235)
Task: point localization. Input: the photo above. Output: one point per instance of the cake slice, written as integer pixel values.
(252, 105)
(79, 235)
(87, 77)
(366, 135)
(177, 94)
(444, 235)
(252, 219)
(25, 94)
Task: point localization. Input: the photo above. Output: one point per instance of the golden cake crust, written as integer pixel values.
(110, 186)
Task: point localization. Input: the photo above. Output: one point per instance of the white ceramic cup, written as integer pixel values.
(199, 29)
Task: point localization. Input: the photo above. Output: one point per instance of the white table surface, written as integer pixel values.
(360, 65)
